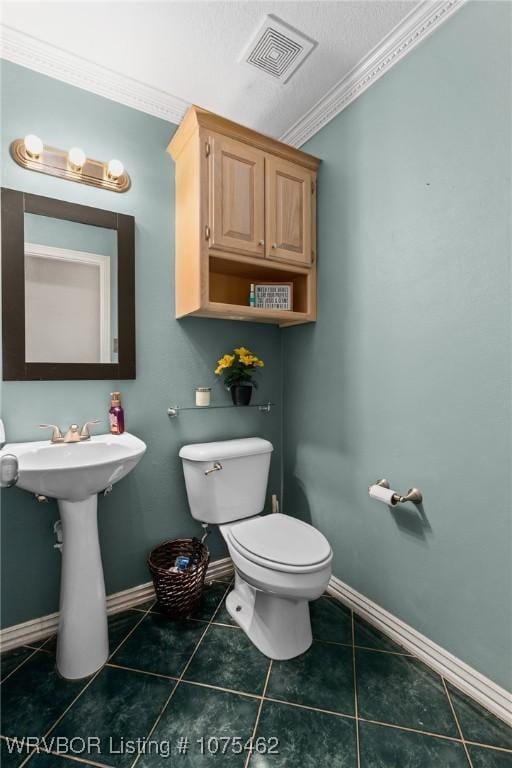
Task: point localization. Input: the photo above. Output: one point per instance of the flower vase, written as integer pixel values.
(241, 394)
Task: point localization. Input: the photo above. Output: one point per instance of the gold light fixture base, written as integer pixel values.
(54, 162)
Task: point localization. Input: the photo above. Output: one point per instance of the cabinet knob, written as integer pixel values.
(274, 245)
(261, 242)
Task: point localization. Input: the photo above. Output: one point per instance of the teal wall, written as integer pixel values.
(405, 375)
(172, 356)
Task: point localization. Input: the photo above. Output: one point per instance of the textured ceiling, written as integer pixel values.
(191, 49)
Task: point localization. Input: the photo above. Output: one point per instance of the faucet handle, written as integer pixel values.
(84, 432)
(57, 436)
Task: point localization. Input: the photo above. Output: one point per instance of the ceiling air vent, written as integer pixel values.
(277, 49)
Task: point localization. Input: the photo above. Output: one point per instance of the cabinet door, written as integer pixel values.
(237, 197)
(288, 203)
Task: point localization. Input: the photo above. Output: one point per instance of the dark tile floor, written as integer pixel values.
(354, 700)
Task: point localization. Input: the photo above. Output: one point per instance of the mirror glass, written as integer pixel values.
(70, 292)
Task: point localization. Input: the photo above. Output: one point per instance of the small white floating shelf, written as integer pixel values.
(174, 410)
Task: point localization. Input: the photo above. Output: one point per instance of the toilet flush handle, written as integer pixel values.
(216, 467)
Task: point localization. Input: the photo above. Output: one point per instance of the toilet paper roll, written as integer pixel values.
(383, 494)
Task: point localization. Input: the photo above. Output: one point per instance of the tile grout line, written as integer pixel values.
(359, 615)
(328, 712)
(111, 665)
(132, 630)
(314, 709)
(261, 698)
(320, 639)
(331, 642)
(258, 714)
(472, 743)
(180, 678)
(34, 647)
(154, 600)
(47, 639)
(256, 696)
(379, 722)
(159, 717)
(28, 757)
(452, 707)
(356, 706)
(366, 648)
(411, 730)
(82, 691)
(138, 671)
(305, 706)
(295, 704)
(36, 750)
(316, 639)
(79, 760)
(223, 598)
(34, 651)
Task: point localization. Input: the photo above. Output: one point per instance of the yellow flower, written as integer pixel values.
(245, 357)
(224, 362)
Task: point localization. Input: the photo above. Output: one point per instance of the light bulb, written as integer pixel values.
(33, 145)
(76, 158)
(115, 169)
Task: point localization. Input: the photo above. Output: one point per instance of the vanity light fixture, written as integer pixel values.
(115, 169)
(76, 159)
(33, 146)
(72, 165)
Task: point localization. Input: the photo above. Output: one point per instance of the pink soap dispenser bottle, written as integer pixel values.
(116, 414)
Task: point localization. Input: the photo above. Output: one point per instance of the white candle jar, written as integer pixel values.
(203, 396)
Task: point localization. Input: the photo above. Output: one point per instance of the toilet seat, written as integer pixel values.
(280, 542)
(280, 563)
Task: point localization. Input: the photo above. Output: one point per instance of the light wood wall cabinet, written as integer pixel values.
(245, 213)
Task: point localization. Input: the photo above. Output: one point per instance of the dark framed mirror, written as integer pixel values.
(68, 290)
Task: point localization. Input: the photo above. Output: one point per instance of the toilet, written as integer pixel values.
(281, 563)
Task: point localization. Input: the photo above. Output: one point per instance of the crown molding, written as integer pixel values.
(27, 51)
(46, 59)
(402, 39)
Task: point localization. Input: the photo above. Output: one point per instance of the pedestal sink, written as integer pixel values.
(74, 473)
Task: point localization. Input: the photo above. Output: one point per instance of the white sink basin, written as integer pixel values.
(74, 471)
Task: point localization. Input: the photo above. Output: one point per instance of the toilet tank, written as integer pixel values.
(236, 487)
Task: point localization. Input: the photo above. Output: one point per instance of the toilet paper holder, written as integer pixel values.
(413, 494)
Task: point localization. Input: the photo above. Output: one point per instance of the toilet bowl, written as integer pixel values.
(281, 563)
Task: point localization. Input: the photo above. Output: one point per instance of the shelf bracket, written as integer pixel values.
(173, 412)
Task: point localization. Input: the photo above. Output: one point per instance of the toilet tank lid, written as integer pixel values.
(226, 449)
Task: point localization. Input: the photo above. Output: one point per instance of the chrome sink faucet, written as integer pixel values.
(74, 433)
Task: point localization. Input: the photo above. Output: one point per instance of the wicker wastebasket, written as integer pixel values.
(179, 594)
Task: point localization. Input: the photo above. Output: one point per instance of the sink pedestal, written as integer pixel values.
(74, 474)
(82, 642)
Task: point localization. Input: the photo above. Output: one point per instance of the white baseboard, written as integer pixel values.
(487, 693)
(33, 631)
